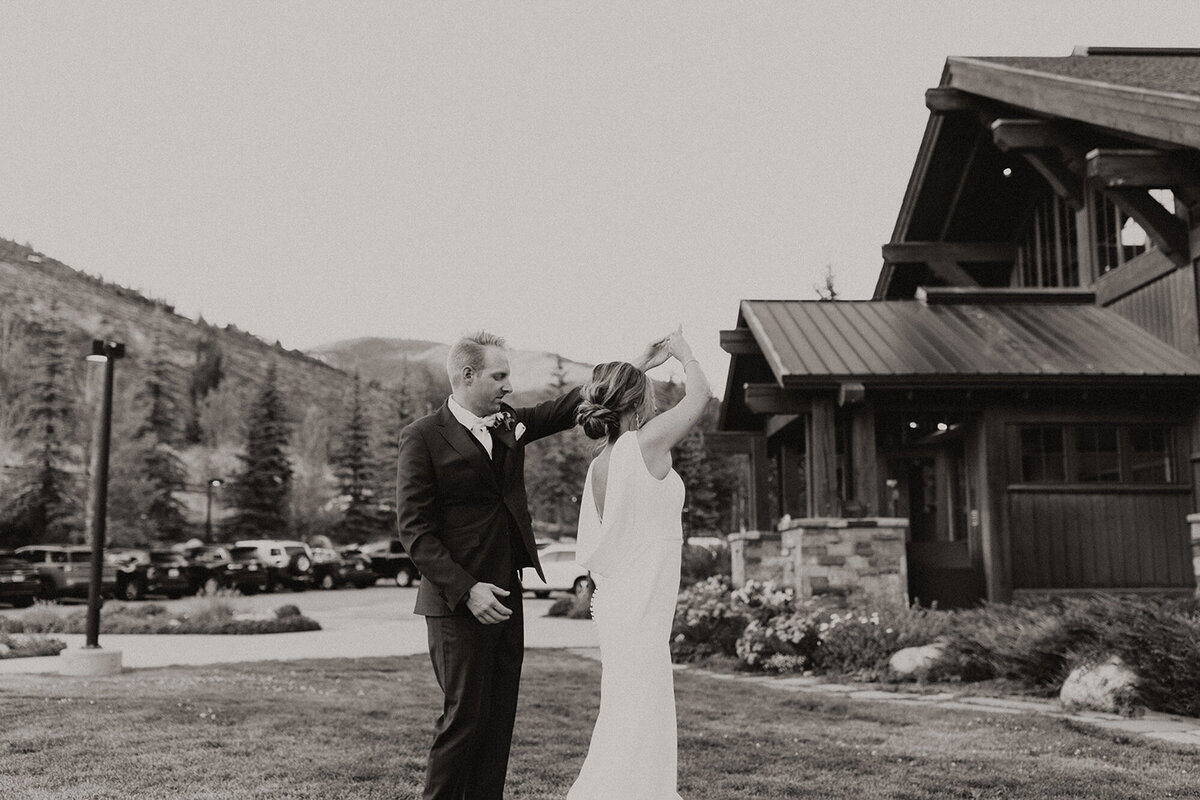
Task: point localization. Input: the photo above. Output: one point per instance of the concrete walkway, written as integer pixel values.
(1165, 727)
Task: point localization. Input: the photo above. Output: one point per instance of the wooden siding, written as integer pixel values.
(1166, 307)
(1070, 539)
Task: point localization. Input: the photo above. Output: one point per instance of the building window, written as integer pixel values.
(1150, 456)
(1097, 457)
(1096, 454)
(1119, 238)
(1042, 455)
(1048, 253)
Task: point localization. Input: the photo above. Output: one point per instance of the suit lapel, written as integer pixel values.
(464, 443)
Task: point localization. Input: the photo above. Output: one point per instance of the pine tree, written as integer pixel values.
(48, 504)
(398, 407)
(156, 440)
(701, 513)
(355, 473)
(259, 494)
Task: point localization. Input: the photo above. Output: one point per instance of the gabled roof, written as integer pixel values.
(965, 187)
(913, 343)
(1153, 96)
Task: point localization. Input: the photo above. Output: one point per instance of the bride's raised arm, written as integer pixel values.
(669, 428)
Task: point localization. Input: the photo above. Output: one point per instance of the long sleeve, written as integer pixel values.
(416, 521)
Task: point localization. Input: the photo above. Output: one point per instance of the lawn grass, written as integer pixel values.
(343, 728)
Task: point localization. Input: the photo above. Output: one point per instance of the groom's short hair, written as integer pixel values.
(469, 352)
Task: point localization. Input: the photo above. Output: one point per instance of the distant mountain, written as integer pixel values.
(384, 360)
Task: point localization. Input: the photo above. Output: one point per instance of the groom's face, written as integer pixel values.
(488, 386)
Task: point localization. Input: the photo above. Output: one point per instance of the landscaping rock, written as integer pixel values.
(915, 661)
(1101, 685)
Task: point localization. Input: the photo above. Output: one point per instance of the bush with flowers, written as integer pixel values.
(706, 623)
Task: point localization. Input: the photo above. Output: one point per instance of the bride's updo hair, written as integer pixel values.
(616, 388)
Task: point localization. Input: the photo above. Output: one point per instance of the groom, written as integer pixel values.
(463, 517)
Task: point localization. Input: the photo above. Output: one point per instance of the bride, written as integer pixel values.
(630, 537)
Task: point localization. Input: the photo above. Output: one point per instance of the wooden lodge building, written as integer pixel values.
(1021, 396)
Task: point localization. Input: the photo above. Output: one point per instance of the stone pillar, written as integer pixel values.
(841, 556)
(756, 556)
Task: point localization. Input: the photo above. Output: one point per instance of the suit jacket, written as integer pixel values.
(456, 509)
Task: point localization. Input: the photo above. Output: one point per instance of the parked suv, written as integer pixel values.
(213, 567)
(289, 563)
(389, 560)
(332, 569)
(18, 580)
(143, 572)
(66, 570)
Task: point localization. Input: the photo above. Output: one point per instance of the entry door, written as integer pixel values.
(931, 491)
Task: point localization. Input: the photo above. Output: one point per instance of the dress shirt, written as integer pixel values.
(473, 423)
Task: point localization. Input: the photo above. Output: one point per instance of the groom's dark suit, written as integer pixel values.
(464, 519)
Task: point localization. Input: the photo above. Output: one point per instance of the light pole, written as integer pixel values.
(89, 661)
(209, 486)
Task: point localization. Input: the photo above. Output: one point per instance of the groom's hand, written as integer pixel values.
(484, 602)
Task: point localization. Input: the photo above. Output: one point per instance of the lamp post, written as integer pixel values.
(89, 661)
(209, 486)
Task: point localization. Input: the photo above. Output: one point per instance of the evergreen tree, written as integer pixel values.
(701, 512)
(355, 472)
(259, 494)
(48, 505)
(396, 409)
(156, 441)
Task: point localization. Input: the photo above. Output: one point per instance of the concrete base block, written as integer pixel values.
(90, 662)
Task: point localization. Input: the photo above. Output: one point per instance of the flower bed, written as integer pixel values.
(214, 616)
(18, 645)
(1032, 645)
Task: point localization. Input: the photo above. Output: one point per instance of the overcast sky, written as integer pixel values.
(578, 177)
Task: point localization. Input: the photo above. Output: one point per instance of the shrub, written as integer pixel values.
(287, 610)
(29, 645)
(702, 563)
(706, 623)
(213, 614)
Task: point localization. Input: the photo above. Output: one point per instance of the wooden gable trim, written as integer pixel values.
(1157, 115)
(957, 252)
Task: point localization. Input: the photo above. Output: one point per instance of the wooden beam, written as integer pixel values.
(770, 398)
(777, 422)
(1029, 134)
(956, 252)
(952, 273)
(739, 342)
(1049, 149)
(1168, 231)
(1151, 169)
(1065, 183)
(864, 459)
(942, 100)
(822, 460)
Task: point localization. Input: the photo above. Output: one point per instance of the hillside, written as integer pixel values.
(384, 359)
(37, 289)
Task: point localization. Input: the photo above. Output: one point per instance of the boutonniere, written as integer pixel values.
(503, 420)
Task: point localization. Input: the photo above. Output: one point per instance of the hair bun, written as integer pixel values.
(597, 421)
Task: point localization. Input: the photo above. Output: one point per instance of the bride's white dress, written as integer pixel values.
(634, 556)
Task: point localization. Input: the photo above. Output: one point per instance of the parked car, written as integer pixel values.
(333, 569)
(19, 585)
(65, 570)
(213, 567)
(389, 560)
(145, 572)
(289, 563)
(562, 573)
